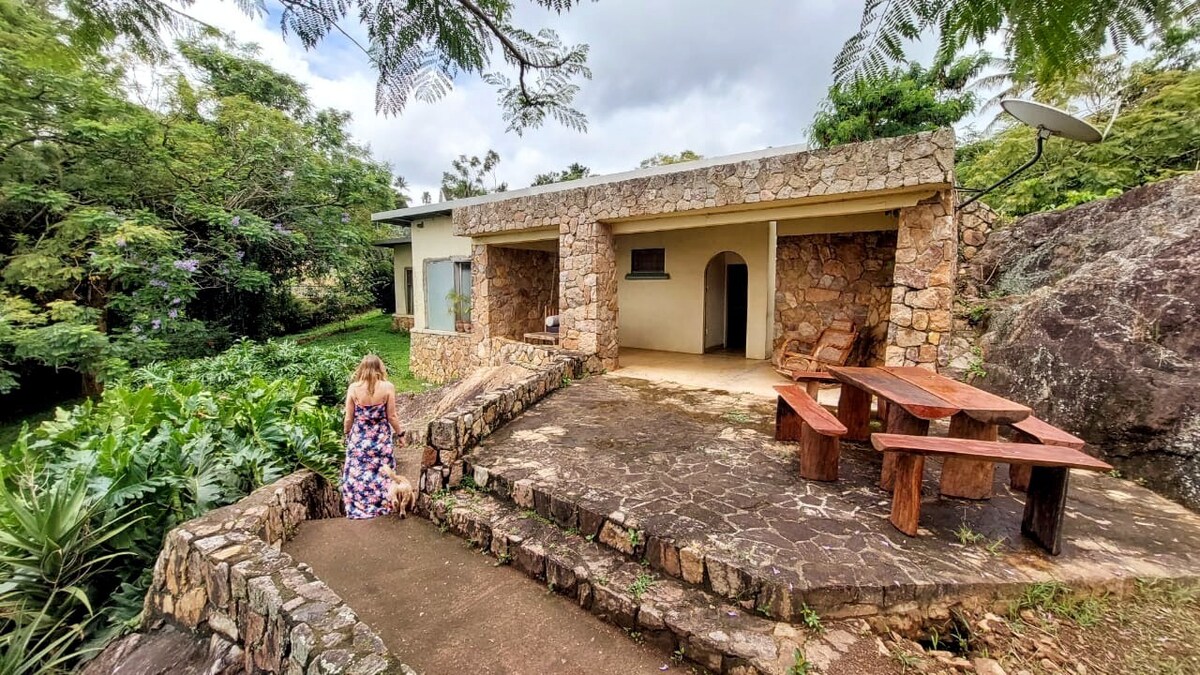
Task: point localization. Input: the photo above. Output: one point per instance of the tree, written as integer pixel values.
(128, 233)
(417, 47)
(426, 198)
(661, 159)
(574, 171)
(902, 101)
(400, 185)
(1153, 138)
(1046, 41)
(468, 175)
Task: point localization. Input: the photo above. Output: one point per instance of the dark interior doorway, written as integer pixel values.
(736, 290)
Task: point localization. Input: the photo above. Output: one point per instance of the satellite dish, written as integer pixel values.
(1049, 121)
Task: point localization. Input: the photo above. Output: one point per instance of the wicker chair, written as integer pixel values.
(833, 348)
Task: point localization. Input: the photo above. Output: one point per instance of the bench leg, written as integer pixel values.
(969, 478)
(788, 424)
(1018, 477)
(854, 411)
(906, 498)
(818, 455)
(899, 421)
(1044, 506)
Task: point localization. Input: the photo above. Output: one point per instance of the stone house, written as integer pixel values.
(729, 253)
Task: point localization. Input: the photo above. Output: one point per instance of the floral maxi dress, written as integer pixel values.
(368, 450)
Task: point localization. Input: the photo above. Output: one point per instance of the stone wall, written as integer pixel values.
(402, 323)
(923, 288)
(440, 357)
(826, 277)
(223, 573)
(452, 434)
(588, 260)
(975, 225)
(512, 290)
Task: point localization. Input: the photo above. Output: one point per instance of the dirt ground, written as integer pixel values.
(443, 608)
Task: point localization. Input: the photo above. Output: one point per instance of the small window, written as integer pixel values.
(408, 291)
(462, 289)
(648, 263)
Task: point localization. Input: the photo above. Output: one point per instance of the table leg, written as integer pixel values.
(813, 389)
(906, 499)
(854, 411)
(899, 421)
(969, 478)
(1018, 474)
(1045, 505)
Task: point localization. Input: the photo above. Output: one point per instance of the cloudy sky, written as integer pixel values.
(714, 76)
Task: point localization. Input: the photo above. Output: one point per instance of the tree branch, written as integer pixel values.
(291, 4)
(523, 62)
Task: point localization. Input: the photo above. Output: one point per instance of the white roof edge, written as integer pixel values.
(429, 210)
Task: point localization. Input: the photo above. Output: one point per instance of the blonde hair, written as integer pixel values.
(371, 371)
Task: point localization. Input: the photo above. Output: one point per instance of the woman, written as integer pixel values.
(369, 424)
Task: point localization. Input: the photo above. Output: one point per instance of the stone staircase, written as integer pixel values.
(672, 550)
(689, 623)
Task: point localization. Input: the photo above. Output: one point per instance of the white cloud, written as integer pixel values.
(712, 76)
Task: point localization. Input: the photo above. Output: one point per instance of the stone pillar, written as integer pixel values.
(588, 289)
(923, 289)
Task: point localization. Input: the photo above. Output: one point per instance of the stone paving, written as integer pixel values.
(693, 481)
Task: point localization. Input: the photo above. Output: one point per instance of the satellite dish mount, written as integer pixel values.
(1049, 121)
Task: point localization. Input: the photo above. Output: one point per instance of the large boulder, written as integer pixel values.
(1097, 326)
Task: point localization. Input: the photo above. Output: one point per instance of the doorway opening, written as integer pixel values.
(725, 303)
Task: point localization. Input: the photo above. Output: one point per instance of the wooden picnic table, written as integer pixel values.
(915, 396)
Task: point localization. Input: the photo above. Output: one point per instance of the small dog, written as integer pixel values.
(401, 496)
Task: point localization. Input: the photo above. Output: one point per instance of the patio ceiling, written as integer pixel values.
(795, 210)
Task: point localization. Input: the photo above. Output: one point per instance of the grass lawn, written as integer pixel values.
(375, 329)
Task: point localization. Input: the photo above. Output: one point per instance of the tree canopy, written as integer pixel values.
(128, 233)
(1044, 41)
(417, 47)
(661, 158)
(574, 171)
(469, 177)
(901, 101)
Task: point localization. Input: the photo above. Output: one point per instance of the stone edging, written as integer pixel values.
(223, 573)
(449, 436)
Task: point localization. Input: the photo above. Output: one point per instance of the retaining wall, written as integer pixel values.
(449, 436)
(224, 574)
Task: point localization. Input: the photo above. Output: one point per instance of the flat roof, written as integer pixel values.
(445, 208)
(393, 241)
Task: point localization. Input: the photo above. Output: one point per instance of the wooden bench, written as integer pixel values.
(800, 418)
(1034, 430)
(1047, 498)
(812, 379)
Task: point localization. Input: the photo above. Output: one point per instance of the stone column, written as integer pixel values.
(481, 299)
(588, 289)
(923, 290)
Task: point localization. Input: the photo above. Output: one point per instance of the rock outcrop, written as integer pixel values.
(1096, 324)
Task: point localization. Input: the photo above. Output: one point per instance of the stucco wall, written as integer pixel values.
(432, 241)
(668, 314)
(402, 258)
(821, 278)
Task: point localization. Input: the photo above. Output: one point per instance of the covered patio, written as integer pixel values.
(715, 370)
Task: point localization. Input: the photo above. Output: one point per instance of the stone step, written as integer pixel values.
(686, 622)
(672, 550)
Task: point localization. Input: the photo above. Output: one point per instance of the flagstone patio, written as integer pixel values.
(692, 481)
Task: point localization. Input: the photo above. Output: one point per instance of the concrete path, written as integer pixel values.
(444, 608)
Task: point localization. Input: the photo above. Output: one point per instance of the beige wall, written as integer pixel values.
(402, 259)
(432, 241)
(668, 314)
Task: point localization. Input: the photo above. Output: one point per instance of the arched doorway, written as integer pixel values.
(725, 298)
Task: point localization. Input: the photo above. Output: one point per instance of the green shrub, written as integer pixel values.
(89, 495)
(328, 368)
